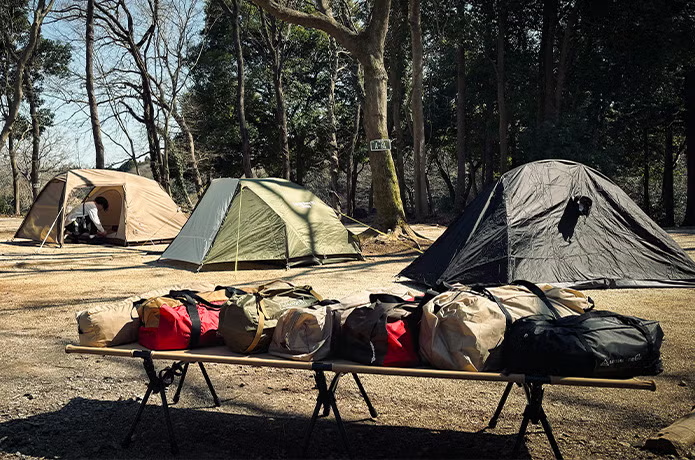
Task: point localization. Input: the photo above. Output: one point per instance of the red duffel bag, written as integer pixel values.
(180, 320)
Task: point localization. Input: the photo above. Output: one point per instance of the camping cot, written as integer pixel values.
(159, 381)
(139, 209)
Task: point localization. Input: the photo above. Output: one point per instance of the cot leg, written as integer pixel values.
(209, 382)
(326, 398)
(372, 412)
(493, 421)
(167, 417)
(157, 384)
(535, 414)
(175, 399)
(133, 426)
(331, 388)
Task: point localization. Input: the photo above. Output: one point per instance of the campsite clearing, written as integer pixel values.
(70, 406)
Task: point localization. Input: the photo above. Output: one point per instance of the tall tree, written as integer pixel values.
(419, 152)
(367, 46)
(275, 35)
(667, 181)
(89, 85)
(112, 15)
(690, 146)
(21, 56)
(460, 201)
(235, 18)
(501, 79)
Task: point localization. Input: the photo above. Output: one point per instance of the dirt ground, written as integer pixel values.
(54, 405)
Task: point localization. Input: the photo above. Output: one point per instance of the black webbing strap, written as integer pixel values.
(191, 300)
(192, 309)
(507, 316)
(538, 292)
(230, 291)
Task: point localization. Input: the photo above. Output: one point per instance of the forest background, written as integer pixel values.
(186, 91)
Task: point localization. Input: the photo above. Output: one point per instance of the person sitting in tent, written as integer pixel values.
(84, 219)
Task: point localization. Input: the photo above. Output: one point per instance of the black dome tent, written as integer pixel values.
(558, 222)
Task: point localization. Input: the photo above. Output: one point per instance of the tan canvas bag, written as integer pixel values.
(117, 323)
(303, 334)
(464, 330)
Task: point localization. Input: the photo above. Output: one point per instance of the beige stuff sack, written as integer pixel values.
(464, 330)
(118, 323)
(303, 334)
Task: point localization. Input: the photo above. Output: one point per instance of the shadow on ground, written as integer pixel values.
(88, 428)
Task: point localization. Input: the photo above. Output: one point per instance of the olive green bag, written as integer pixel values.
(247, 321)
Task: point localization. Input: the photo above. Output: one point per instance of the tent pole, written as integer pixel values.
(238, 229)
(50, 230)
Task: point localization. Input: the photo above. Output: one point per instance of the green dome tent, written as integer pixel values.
(554, 221)
(252, 220)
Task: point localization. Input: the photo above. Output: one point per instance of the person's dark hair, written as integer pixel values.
(103, 202)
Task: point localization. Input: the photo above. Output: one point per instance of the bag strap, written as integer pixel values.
(230, 291)
(260, 310)
(274, 292)
(192, 296)
(630, 321)
(507, 316)
(538, 292)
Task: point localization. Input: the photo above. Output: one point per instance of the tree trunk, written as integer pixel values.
(281, 117)
(15, 174)
(333, 158)
(35, 137)
(89, 75)
(501, 102)
(368, 47)
(241, 97)
(646, 204)
(387, 200)
(445, 177)
(690, 146)
(399, 36)
(565, 51)
(418, 113)
(352, 172)
(460, 200)
(40, 13)
(667, 184)
(185, 129)
(546, 61)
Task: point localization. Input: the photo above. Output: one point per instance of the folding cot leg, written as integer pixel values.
(493, 421)
(331, 388)
(372, 412)
(157, 384)
(535, 414)
(324, 398)
(209, 382)
(175, 399)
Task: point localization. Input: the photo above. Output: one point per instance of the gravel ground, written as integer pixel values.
(54, 405)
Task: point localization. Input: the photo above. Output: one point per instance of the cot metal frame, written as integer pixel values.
(326, 401)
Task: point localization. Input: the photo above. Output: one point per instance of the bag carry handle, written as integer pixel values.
(538, 292)
(230, 291)
(507, 316)
(260, 311)
(192, 297)
(629, 321)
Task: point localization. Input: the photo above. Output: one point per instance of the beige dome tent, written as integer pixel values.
(139, 209)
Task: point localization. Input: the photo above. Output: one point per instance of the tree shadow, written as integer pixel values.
(89, 428)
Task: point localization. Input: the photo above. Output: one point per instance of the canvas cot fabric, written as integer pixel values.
(260, 220)
(559, 222)
(139, 207)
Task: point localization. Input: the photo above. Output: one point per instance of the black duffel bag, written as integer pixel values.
(600, 344)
